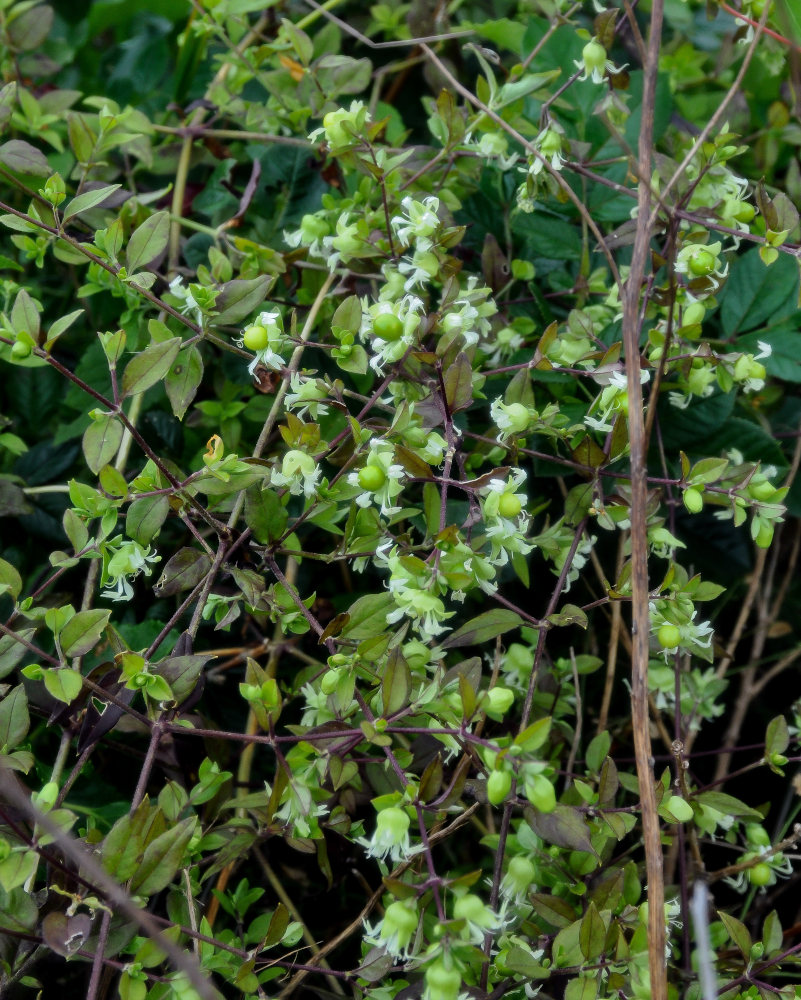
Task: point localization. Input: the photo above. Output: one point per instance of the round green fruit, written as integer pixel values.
(668, 636)
(760, 874)
(701, 262)
(693, 500)
(255, 338)
(372, 478)
(509, 505)
(387, 326)
(498, 785)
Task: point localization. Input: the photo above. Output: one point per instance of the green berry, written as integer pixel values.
(702, 262)
(760, 874)
(372, 478)
(693, 500)
(668, 636)
(498, 785)
(509, 505)
(387, 326)
(255, 338)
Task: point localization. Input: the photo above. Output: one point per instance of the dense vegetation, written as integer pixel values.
(398, 448)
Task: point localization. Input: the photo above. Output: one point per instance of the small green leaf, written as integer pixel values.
(486, 626)
(14, 718)
(23, 158)
(10, 580)
(183, 379)
(147, 241)
(149, 367)
(89, 199)
(183, 572)
(145, 518)
(162, 858)
(64, 685)
(17, 868)
(101, 441)
(240, 297)
(82, 632)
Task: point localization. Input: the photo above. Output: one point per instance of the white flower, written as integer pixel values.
(419, 222)
(299, 472)
(126, 560)
(306, 396)
(391, 838)
(594, 63)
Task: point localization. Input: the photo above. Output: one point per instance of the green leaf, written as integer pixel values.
(147, 241)
(89, 199)
(592, 933)
(738, 932)
(240, 297)
(727, 805)
(565, 827)
(458, 382)
(17, 868)
(754, 293)
(162, 858)
(183, 572)
(14, 718)
(82, 632)
(124, 844)
(558, 912)
(23, 158)
(183, 379)
(265, 515)
(777, 736)
(101, 441)
(486, 626)
(145, 518)
(396, 682)
(64, 685)
(149, 367)
(10, 580)
(367, 617)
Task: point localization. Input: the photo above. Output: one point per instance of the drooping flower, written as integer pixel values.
(124, 559)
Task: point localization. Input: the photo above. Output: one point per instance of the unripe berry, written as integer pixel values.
(509, 505)
(498, 785)
(668, 636)
(372, 478)
(693, 500)
(387, 326)
(760, 874)
(701, 262)
(255, 338)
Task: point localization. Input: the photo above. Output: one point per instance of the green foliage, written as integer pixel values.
(318, 494)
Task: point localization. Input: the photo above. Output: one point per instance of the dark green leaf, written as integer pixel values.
(183, 571)
(486, 626)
